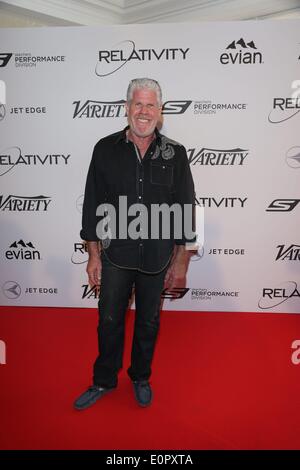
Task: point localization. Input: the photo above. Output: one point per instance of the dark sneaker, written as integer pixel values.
(142, 392)
(90, 397)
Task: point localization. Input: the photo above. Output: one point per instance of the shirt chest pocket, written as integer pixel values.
(161, 174)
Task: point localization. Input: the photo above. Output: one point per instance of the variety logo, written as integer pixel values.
(274, 296)
(221, 202)
(208, 107)
(79, 255)
(11, 289)
(282, 205)
(2, 352)
(26, 59)
(227, 251)
(114, 109)
(90, 292)
(110, 61)
(289, 253)
(22, 251)
(12, 157)
(205, 294)
(284, 109)
(296, 354)
(220, 157)
(24, 203)
(292, 157)
(241, 52)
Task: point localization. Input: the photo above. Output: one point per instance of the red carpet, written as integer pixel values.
(221, 381)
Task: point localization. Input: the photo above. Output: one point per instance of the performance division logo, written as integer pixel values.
(292, 157)
(206, 294)
(207, 107)
(274, 296)
(110, 61)
(222, 157)
(22, 251)
(12, 157)
(26, 59)
(283, 205)
(289, 253)
(24, 203)
(114, 109)
(241, 52)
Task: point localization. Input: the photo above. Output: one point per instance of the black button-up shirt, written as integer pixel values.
(162, 176)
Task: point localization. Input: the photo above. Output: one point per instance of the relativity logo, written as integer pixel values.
(274, 296)
(225, 202)
(12, 157)
(284, 109)
(219, 157)
(110, 61)
(292, 157)
(80, 253)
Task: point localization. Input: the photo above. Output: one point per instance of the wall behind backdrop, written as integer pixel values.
(231, 96)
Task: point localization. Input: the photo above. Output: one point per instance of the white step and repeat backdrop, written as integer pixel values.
(231, 97)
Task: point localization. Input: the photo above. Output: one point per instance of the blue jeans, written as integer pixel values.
(115, 292)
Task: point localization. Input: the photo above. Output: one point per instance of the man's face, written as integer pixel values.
(143, 112)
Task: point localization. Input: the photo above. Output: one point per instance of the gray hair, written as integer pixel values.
(149, 83)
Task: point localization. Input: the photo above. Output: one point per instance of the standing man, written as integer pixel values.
(143, 168)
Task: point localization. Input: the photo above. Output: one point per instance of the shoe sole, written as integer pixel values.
(91, 403)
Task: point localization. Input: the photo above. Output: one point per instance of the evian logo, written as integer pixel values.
(241, 52)
(110, 61)
(22, 251)
(274, 296)
(292, 157)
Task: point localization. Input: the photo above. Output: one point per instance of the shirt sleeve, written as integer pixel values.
(185, 194)
(93, 196)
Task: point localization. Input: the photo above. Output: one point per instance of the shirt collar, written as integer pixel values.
(123, 137)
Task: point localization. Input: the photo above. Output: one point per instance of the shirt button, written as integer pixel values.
(141, 179)
(140, 197)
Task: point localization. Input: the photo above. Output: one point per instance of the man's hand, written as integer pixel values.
(94, 270)
(176, 274)
(94, 266)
